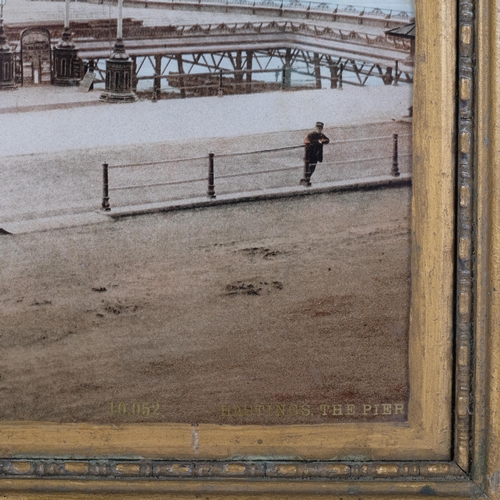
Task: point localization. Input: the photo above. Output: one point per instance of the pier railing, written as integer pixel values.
(306, 7)
(178, 31)
(300, 8)
(246, 171)
(336, 8)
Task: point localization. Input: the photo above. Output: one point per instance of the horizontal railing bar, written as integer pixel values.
(227, 85)
(226, 71)
(160, 162)
(255, 173)
(363, 159)
(259, 151)
(369, 139)
(204, 179)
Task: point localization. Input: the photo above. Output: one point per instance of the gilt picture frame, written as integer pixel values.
(449, 446)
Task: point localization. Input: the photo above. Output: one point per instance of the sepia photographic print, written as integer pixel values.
(205, 211)
(248, 248)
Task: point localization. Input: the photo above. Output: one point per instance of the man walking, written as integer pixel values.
(313, 152)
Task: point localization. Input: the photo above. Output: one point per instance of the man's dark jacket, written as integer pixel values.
(314, 148)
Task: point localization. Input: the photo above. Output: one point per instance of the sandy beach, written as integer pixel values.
(298, 302)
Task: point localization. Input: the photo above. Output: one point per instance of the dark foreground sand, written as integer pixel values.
(211, 315)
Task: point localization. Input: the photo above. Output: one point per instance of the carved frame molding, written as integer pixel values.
(454, 479)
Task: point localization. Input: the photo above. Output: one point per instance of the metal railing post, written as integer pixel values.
(211, 176)
(105, 188)
(395, 162)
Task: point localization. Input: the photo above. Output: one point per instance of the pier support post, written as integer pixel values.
(91, 69)
(134, 73)
(334, 74)
(248, 73)
(157, 78)
(317, 70)
(238, 73)
(221, 84)
(287, 70)
(396, 72)
(180, 69)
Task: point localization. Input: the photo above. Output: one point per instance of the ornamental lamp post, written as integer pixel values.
(7, 73)
(67, 65)
(119, 69)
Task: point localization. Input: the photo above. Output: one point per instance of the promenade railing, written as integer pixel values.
(249, 171)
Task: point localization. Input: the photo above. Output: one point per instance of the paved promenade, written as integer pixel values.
(55, 140)
(47, 125)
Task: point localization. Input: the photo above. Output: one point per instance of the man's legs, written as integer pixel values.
(309, 169)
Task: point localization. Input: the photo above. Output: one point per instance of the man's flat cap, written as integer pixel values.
(320, 124)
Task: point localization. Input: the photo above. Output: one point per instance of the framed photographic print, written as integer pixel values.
(248, 249)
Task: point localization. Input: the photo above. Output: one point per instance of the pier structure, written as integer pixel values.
(213, 59)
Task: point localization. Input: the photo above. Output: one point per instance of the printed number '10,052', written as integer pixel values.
(135, 409)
